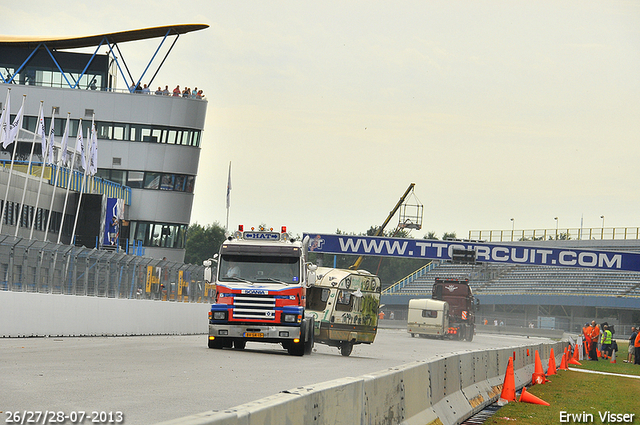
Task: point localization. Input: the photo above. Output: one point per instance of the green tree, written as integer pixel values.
(203, 242)
(449, 235)
(431, 235)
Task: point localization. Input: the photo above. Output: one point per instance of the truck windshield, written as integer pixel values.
(260, 268)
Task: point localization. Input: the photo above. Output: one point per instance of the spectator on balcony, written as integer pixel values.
(177, 92)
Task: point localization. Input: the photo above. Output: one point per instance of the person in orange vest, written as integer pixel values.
(586, 331)
(636, 350)
(593, 339)
(381, 315)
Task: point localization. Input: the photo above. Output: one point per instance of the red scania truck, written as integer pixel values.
(261, 283)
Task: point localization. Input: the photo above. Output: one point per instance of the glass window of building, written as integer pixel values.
(152, 180)
(190, 183)
(135, 179)
(168, 180)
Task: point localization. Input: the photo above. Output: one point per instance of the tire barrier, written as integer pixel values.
(437, 391)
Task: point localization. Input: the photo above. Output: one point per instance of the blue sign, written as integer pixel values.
(270, 236)
(485, 252)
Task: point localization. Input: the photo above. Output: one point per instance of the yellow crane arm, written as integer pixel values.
(357, 263)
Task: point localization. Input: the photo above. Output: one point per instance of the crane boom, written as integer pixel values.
(380, 229)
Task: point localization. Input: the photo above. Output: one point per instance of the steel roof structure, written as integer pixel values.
(52, 44)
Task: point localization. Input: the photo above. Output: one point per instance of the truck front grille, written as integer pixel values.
(255, 307)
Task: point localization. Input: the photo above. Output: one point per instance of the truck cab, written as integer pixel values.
(462, 306)
(261, 287)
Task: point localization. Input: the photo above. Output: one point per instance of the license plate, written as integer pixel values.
(254, 335)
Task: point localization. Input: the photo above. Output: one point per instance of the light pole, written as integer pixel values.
(513, 224)
(602, 233)
(556, 219)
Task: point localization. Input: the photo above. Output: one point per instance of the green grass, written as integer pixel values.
(577, 392)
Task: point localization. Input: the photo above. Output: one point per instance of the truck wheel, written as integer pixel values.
(470, 333)
(239, 344)
(308, 343)
(346, 347)
(413, 335)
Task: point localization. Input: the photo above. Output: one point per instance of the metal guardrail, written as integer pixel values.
(46, 267)
(598, 233)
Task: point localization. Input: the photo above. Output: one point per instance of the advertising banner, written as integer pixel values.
(485, 252)
(114, 215)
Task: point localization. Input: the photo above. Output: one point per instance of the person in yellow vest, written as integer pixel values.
(593, 340)
(607, 336)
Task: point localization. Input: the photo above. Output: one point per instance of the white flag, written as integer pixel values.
(80, 146)
(93, 165)
(4, 120)
(52, 131)
(40, 131)
(15, 127)
(64, 142)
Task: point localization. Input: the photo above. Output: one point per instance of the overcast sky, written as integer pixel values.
(329, 110)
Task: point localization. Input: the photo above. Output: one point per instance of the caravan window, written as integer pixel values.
(344, 301)
(317, 298)
(430, 313)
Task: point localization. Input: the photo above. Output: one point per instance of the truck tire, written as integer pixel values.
(239, 344)
(345, 348)
(470, 332)
(308, 343)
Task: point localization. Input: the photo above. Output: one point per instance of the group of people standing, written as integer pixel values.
(597, 339)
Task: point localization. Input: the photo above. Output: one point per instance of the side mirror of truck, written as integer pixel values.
(311, 274)
(209, 275)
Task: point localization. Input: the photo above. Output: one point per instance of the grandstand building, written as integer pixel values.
(541, 296)
(148, 144)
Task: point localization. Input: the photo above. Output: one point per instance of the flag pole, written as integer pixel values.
(8, 137)
(228, 195)
(84, 179)
(47, 157)
(4, 134)
(26, 177)
(61, 160)
(66, 195)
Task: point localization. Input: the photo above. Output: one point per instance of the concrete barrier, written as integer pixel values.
(438, 391)
(33, 314)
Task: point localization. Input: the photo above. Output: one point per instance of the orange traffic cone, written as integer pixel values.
(509, 385)
(613, 357)
(538, 376)
(551, 370)
(563, 362)
(574, 360)
(599, 353)
(530, 398)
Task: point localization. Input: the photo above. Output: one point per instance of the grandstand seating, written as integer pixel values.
(530, 280)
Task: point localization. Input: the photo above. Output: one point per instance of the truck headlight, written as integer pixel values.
(219, 315)
(290, 318)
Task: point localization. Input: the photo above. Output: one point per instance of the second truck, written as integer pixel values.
(450, 313)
